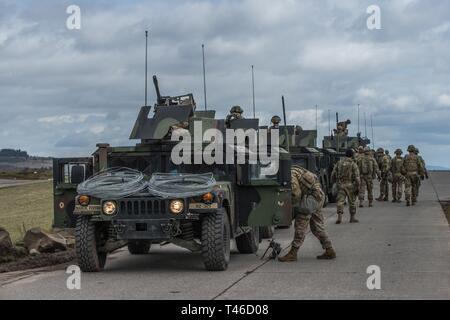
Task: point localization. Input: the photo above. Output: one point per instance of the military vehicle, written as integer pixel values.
(241, 201)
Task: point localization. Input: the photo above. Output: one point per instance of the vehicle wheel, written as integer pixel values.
(248, 242)
(266, 232)
(216, 241)
(87, 236)
(139, 246)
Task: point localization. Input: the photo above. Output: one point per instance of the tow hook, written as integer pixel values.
(172, 228)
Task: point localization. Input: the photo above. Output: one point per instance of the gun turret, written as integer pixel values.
(158, 93)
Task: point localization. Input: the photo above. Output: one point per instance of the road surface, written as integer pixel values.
(410, 245)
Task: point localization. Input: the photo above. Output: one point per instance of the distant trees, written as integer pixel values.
(13, 153)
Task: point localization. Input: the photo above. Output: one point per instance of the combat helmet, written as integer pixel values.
(275, 120)
(360, 149)
(398, 152)
(411, 148)
(236, 109)
(366, 150)
(417, 151)
(386, 152)
(380, 150)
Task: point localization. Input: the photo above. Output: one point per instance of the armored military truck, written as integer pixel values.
(240, 202)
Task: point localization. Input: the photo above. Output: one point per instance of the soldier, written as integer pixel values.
(368, 170)
(275, 122)
(384, 165)
(346, 176)
(424, 169)
(360, 152)
(307, 202)
(413, 172)
(235, 113)
(398, 176)
(341, 128)
(386, 152)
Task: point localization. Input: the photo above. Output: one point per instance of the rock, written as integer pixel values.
(34, 252)
(6, 246)
(68, 234)
(43, 242)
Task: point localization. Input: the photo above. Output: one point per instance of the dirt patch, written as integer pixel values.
(39, 261)
(446, 208)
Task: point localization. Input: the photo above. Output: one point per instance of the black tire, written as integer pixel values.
(216, 241)
(139, 246)
(248, 242)
(266, 232)
(86, 249)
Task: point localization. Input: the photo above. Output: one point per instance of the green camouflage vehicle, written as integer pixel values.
(241, 203)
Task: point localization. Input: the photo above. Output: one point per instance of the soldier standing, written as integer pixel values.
(368, 170)
(235, 113)
(384, 165)
(413, 173)
(346, 176)
(424, 169)
(398, 176)
(307, 201)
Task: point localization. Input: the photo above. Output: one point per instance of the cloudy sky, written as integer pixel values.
(62, 90)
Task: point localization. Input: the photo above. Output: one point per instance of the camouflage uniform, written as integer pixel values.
(384, 165)
(413, 173)
(346, 175)
(368, 170)
(307, 201)
(398, 176)
(424, 169)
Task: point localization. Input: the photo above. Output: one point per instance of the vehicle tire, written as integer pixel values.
(139, 246)
(215, 240)
(86, 248)
(248, 242)
(266, 232)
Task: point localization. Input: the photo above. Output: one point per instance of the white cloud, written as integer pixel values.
(444, 100)
(347, 56)
(364, 93)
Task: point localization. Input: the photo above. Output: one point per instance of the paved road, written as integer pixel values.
(411, 246)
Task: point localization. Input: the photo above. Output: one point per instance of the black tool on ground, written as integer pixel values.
(276, 250)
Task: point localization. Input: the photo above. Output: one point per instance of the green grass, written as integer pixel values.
(27, 174)
(26, 207)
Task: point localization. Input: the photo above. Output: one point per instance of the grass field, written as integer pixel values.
(26, 206)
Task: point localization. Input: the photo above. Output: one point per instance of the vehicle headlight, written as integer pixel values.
(84, 200)
(176, 206)
(208, 197)
(109, 207)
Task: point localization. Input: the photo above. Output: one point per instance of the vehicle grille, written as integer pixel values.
(142, 207)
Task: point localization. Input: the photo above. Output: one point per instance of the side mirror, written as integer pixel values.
(77, 174)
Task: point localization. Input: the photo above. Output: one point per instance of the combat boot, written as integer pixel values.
(380, 198)
(386, 199)
(291, 256)
(408, 203)
(328, 254)
(414, 202)
(339, 219)
(370, 203)
(353, 219)
(361, 204)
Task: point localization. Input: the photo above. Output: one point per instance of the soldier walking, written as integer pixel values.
(424, 169)
(346, 176)
(413, 173)
(398, 176)
(307, 201)
(368, 170)
(384, 165)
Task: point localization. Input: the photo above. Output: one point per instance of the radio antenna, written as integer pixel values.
(146, 45)
(204, 74)
(371, 125)
(253, 92)
(358, 120)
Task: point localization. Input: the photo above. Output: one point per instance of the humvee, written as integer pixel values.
(241, 204)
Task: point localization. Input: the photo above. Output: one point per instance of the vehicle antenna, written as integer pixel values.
(253, 91)
(285, 123)
(358, 120)
(365, 125)
(204, 75)
(317, 128)
(371, 124)
(329, 122)
(146, 45)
